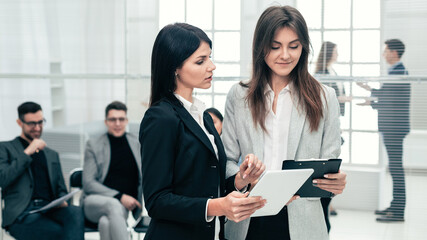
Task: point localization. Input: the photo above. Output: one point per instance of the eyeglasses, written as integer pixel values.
(113, 120)
(34, 124)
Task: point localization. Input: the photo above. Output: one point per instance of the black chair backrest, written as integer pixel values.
(76, 178)
(142, 225)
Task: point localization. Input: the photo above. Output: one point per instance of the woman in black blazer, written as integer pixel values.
(183, 159)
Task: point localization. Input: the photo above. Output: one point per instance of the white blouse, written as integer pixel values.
(277, 125)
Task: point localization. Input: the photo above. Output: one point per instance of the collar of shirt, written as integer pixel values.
(269, 90)
(393, 66)
(196, 107)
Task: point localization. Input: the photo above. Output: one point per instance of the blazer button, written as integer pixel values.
(213, 166)
(211, 196)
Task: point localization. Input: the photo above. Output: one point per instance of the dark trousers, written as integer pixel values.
(393, 142)
(59, 223)
(325, 206)
(269, 228)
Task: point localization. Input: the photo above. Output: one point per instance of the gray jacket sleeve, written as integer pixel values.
(92, 173)
(229, 135)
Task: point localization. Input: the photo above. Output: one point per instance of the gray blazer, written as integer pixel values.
(241, 137)
(97, 162)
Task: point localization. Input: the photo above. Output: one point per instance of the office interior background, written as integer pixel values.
(75, 56)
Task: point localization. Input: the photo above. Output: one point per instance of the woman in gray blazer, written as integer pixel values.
(282, 112)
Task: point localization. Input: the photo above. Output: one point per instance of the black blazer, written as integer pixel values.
(180, 172)
(16, 179)
(393, 104)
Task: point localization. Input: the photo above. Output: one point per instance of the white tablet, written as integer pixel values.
(278, 187)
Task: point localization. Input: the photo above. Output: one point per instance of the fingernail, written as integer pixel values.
(314, 181)
(249, 165)
(297, 197)
(244, 176)
(326, 175)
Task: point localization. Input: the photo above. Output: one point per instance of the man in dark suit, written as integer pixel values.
(393, 123)
(30, 178)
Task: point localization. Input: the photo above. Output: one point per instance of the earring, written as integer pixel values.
(176, 74)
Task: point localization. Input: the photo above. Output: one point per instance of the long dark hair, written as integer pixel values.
(324, 58)
(173, 45)
(308, 90)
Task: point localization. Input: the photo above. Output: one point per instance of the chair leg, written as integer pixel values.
(130, 233)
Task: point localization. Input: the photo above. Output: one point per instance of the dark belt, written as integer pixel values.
(39, 202)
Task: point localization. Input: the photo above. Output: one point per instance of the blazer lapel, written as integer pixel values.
(210, 127)
(19, 148)
(296, 127)
(257, 136)
(107, 156)
(221, 152)
(193, 126)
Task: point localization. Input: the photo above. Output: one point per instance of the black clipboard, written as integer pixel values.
(320, 167)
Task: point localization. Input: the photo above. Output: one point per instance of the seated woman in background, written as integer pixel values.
(183, 159)
(217, 118)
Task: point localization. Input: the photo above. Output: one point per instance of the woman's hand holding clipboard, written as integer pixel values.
(326, 181)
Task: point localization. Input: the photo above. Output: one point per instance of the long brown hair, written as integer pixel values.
(308, 90)
(325, 57)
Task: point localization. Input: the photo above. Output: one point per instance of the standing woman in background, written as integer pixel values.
(183, 159)
(281, 113)
(327, 57)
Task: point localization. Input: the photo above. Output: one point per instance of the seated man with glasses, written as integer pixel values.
(112, 176)
(30, 178)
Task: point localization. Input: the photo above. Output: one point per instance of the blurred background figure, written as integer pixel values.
(328, 55)
(392, 103)
(217, 118)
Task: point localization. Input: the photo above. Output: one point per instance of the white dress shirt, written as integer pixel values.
(196, 110)
(277, 125)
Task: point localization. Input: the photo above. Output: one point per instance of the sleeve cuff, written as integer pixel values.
(243, 190)
(208, 218)
(118, 196)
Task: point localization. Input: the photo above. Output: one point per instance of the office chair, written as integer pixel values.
(76, 182)
(142, 225)
(76, 176)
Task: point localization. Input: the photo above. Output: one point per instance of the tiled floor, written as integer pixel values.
(352, 225)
